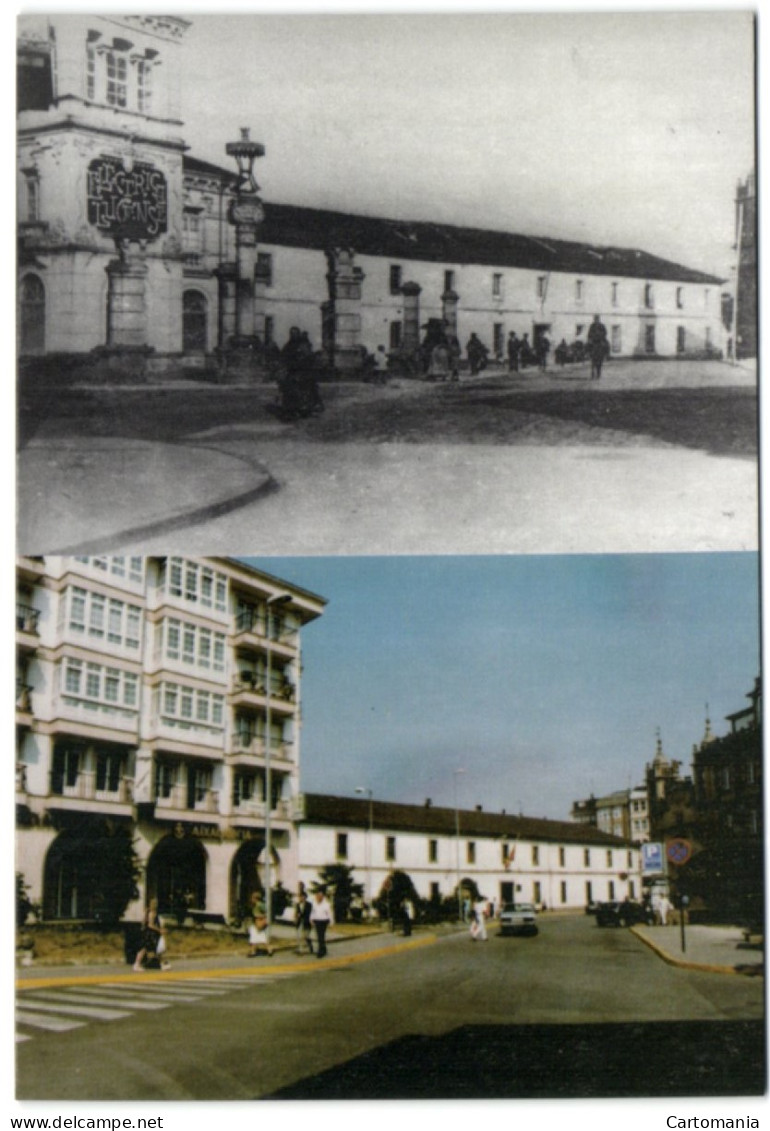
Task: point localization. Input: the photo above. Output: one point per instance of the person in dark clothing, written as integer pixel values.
(598, 346)
(542, 348)
(477, 354)
(298, 385)
(513, 352)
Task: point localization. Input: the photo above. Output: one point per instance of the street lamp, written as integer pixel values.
(363, 789)
(277, 599)
(457, 843)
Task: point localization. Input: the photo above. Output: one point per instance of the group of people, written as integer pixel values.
(310, 917)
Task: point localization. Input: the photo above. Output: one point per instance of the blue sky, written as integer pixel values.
(544, 677)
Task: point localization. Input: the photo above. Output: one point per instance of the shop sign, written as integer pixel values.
(127, 205)
(181, 829)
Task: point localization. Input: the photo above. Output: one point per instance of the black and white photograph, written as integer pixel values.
(388, 703)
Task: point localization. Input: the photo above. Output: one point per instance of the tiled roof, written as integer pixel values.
(290, 225)
(353, 812)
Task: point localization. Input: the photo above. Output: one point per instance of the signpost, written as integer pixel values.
(678, 852)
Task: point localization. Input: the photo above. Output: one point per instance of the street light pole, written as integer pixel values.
(370, 830)
(457, 844)
(277, 599)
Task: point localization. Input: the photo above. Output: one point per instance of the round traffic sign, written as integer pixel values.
(678, 851)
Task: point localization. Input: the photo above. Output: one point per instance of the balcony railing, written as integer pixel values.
(246, 743)
(86, 787)
(257, 809)
(280, 688)
(178, 797)
(26, 618)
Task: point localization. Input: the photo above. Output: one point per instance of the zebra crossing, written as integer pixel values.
(58, 1009)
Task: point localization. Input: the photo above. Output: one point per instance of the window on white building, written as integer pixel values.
(264, 269)
(616, 339)
(119, 75)
(390, 848)
(540, 286)
(342, 846)
(614, 293)
(578, 290)
(432, 851)
(648, 296)
(563, 891)
(395, 278)
(449, 280)
(609, 857)
(471, 852)
(586, 857)
(535, 854)
(497, 285)
(562, 857)
(680, 298)
(537, 892)
(181, 705)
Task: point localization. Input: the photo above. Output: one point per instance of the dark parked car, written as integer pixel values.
(623, 914)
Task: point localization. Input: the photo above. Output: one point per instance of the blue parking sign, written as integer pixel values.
(652, 858)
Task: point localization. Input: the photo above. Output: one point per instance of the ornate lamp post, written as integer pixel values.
(246, 214)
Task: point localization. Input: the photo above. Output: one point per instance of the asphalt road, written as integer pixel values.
(575, 1012)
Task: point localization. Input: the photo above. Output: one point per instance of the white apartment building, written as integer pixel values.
(156, 695)
(560, 864)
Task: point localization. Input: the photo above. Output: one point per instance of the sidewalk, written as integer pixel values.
(717, 950)
(344, 949)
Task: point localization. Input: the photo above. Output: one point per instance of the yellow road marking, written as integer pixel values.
(160, 977)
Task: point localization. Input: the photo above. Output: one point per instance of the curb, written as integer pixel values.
(686, 964)
(266, 970)
(181, 520)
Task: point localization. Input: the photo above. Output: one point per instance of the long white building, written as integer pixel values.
(560, 864)
(125, 240)
(151, 695)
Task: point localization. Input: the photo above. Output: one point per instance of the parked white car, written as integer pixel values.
(518, 919)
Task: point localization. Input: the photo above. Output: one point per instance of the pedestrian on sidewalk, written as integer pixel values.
(321, 917)
(480, 920)
(151, 934)
(407, 909)
(303, 925)
(664, 906)
(259, 940)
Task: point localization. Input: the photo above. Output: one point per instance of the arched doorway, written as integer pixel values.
(247, 875)
(176, 874)
(194, 322)
(32, 315)
(90, 872)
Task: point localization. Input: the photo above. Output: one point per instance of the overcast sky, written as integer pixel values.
(544, 678)
(628, 128)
